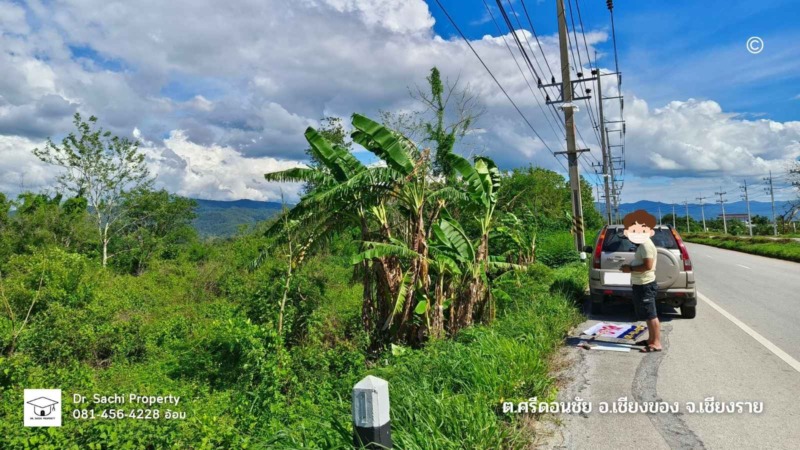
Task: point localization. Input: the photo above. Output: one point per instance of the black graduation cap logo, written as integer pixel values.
(43, 406)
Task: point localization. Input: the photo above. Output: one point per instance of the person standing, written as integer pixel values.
(639, 228)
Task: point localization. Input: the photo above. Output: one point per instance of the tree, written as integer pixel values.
(101, 168)
(42, 220)
(154, 222)
(412, 248)
(450, 113)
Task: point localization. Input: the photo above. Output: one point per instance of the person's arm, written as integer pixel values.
(647, 264)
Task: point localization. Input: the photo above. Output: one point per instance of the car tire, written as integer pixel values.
(688, 312)
(596, 304)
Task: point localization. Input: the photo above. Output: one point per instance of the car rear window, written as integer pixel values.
(615, 241)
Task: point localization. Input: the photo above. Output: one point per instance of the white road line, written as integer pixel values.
(708, 257)
(742, 266)
(754, 334)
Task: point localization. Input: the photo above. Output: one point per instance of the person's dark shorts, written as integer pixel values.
(644, 300)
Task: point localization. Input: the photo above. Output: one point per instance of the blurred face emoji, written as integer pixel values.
(639, 226)
(638, 233)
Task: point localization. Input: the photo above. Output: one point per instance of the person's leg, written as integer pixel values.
(654, 333)
(653, 324)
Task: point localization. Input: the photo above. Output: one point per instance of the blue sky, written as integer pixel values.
(220, 93)
(680, 48)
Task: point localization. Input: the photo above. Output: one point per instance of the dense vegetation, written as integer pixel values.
(781, 248)
(449, 279)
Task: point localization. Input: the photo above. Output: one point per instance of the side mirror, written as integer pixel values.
(588, 249)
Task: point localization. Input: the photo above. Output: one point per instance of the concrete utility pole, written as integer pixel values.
(703, 211)
(673, 217)
(569, 123)
(747, 202)
(686, 204)
(721, 201)
(659, 215)
(603, 144)
(772, 195)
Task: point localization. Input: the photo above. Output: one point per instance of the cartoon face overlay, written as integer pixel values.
(639, 226)
(639, 233)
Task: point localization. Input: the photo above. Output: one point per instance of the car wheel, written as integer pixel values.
(688, 312)
(596, 304)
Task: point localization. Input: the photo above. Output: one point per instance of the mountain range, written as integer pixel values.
(712, 210)
(217, 218)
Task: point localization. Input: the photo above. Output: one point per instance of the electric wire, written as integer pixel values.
(469, 44)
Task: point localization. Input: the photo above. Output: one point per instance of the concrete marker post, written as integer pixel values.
(370, 407)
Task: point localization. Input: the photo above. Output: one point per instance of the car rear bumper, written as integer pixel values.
(673, 296)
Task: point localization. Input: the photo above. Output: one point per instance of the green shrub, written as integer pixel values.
(556, 249)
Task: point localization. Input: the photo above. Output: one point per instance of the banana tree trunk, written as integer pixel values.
(437, 322)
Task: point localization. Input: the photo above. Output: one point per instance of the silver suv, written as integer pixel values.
(674, 274)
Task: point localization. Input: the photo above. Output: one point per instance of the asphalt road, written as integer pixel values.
(744, 347)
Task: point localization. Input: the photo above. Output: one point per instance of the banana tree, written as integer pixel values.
(408, 195)
(338, 201)
(481, 182)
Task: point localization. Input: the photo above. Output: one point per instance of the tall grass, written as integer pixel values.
(787, 249)
(449, 394)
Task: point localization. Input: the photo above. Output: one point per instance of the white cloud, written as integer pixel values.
(697, 138)
(12, 18)
(215, 172)
(20, 170)
(234, 86)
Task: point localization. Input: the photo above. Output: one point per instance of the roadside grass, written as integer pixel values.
(449, 394)
(195, 331)
(780, 248)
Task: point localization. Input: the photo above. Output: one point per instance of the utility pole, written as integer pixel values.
(598, 193)
(721, 201)
(686, 203)
(747, 202)
(569, 123)
(673, 217)
(771, 192)
(603, 144)
(659, 215)
(703, 211)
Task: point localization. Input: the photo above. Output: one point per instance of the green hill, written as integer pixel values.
(224, 218)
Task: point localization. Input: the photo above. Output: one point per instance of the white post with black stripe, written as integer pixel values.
(371, 426)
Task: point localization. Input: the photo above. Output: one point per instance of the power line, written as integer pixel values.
(524, 54)
(464, 37)
(533, 30)
(556, 133)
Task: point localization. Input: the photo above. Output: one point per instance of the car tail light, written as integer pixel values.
(598, 249)
(687, 262)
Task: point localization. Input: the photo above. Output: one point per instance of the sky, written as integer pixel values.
(219, 93)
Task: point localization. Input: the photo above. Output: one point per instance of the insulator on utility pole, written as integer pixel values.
(610, 4)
